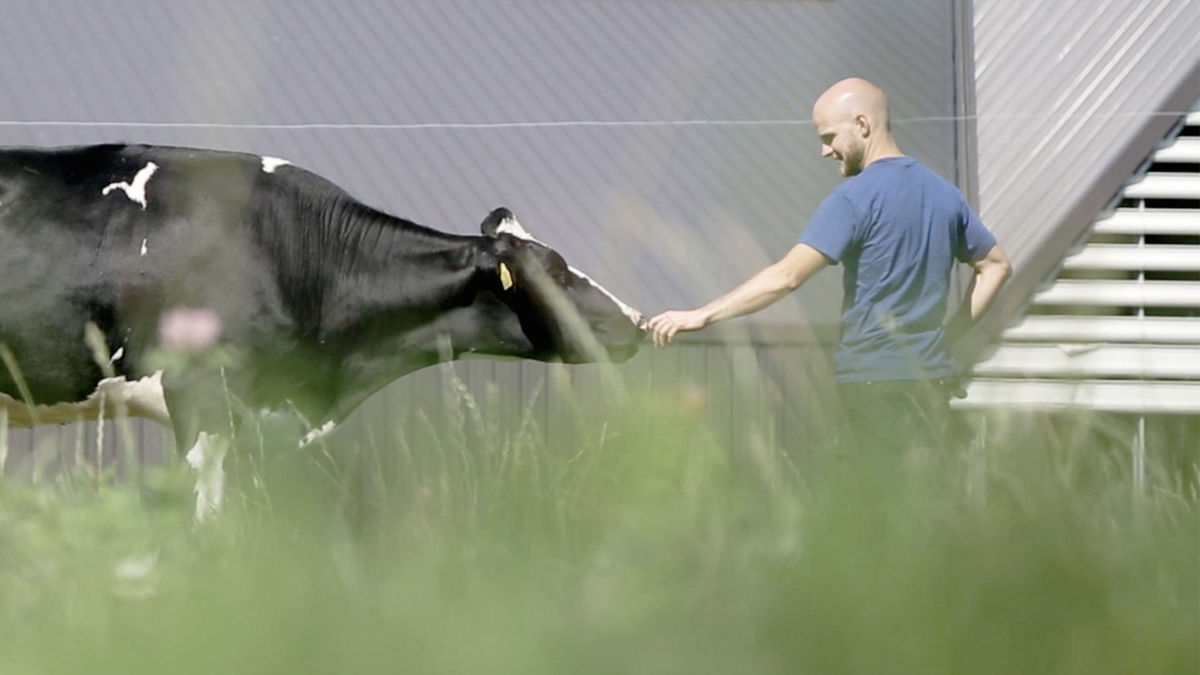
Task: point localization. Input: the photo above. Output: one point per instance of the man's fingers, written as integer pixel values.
(666, 334)
(663, 328)
(663, 332)
(657, 328)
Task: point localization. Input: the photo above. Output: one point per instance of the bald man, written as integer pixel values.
(897, 229)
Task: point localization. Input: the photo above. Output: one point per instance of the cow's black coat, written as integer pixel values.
(324, 299)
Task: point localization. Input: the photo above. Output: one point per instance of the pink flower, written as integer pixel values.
(185, 329)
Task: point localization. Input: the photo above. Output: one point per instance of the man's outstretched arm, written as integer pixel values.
(991, 271)
(764, 288)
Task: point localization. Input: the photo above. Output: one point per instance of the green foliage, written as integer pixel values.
(640, 544)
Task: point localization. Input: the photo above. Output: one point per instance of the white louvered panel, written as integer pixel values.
(1159, 221)
(1093, 361)
(1176, 330)
(1127, 257)
(1111, 396)
(1125, 363)
(1165, 186)
(1121, 293)
(1183, 150)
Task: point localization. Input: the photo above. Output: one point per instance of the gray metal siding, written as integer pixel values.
(1119, 329)
(1071, 96)
(788, 387)
(663, 146)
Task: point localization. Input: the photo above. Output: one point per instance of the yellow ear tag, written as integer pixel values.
(505, 277)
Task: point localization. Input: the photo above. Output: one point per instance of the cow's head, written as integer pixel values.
(561, 311)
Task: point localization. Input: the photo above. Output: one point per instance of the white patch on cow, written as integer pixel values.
(206, 457)
(144, 249)
(142, 398)
(634, 315)
(116, 355)
(136, 191)
(269, 164)
(319, 432)
(510, 225)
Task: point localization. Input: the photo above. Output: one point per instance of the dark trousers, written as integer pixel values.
(898, 420)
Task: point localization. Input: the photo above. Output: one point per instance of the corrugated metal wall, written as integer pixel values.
(663, 146)
(745, 393)
(1119, 329)
(1071, 97)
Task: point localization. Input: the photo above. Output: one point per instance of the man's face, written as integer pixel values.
(839, 141)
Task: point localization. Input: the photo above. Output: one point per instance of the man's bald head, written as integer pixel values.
(852, 120)
(851, 97)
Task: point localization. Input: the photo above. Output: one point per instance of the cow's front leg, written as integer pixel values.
(207, 457)
(202, 414)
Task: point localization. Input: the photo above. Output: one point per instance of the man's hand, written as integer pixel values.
(664, 326)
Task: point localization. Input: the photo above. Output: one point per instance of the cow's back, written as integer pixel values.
(115, 234)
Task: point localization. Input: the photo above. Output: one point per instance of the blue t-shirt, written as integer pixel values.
(897, 229)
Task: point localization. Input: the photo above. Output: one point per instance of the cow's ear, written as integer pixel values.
(491, 224)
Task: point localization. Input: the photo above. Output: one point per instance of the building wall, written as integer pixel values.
(1071, 97)
(663, 146)
(1119, 327)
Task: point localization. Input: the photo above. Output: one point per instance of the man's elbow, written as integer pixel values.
(792, 280)
(798, 265)
(782, 278)
(1004, 269)
(997, 265)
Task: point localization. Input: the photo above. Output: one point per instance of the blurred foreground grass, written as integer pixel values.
(643, 546)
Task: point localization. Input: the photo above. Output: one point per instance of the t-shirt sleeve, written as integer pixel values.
(975, 240)
(833, 227)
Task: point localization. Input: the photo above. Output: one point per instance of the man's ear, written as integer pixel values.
(491, 223)
(863, 124)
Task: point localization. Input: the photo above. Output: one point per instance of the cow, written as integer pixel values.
(323, 299)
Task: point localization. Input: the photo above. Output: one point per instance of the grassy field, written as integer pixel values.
(458, 544)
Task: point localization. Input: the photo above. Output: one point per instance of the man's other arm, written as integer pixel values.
(991, 271)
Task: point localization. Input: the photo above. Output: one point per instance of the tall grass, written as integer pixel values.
(461, 543)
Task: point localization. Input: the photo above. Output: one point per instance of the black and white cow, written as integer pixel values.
(326, 300)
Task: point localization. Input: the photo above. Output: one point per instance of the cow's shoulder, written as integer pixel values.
(236, 175)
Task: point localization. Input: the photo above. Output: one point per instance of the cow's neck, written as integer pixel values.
(388, 274)
(394, 289)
